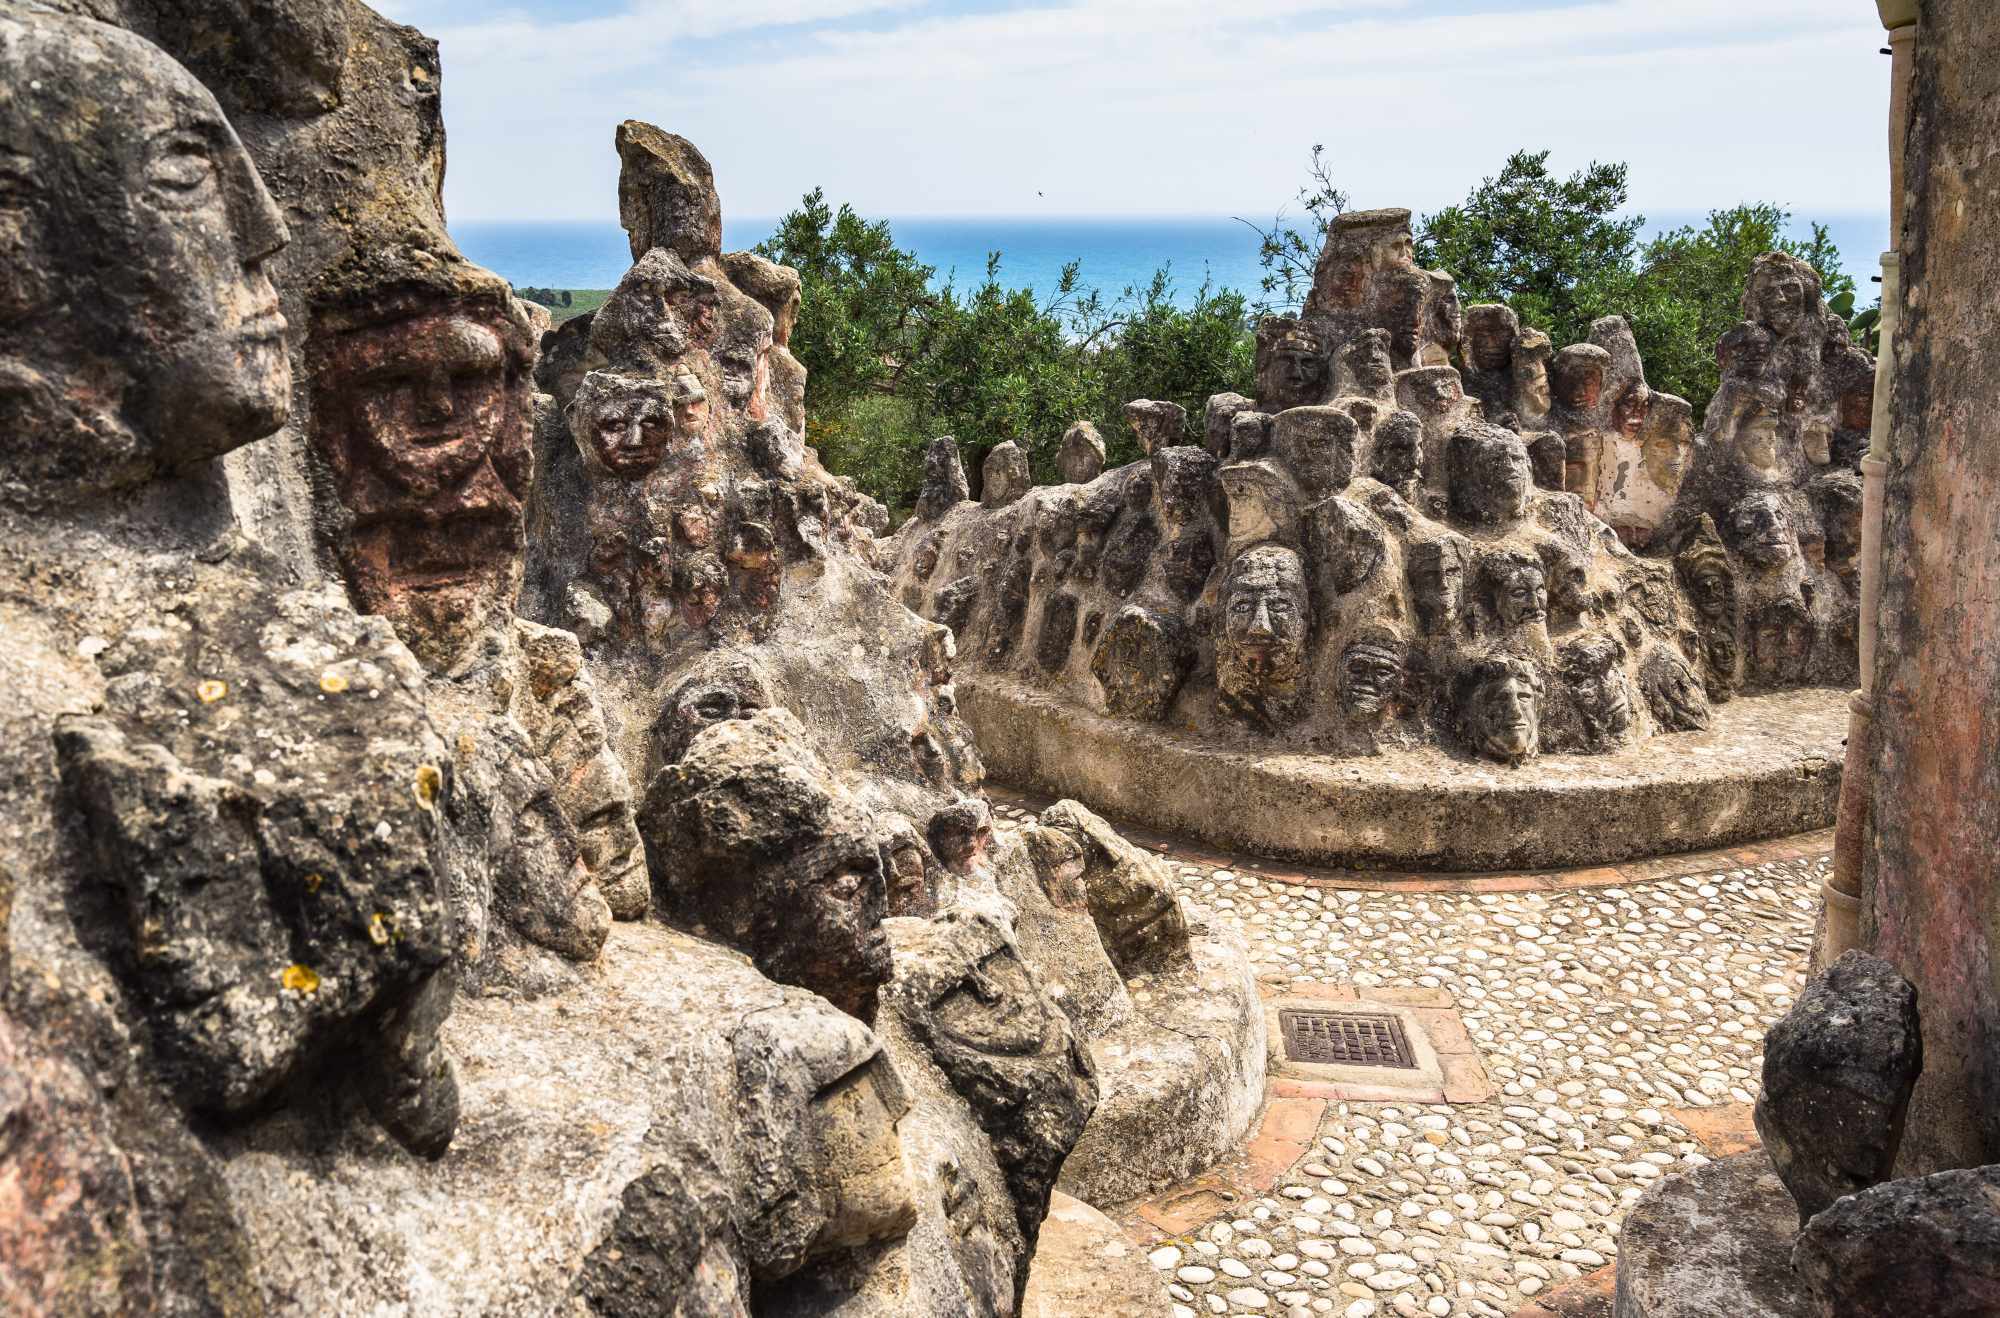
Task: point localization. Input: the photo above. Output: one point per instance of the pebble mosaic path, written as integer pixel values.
(1607, 1018)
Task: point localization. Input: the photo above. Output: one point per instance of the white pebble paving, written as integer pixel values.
(1593, 1009)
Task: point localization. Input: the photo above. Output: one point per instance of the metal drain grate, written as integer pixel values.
(1345, 1038)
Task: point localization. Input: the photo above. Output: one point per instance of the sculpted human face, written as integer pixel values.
(1582, 387)
(1665, 457)
(1763, 531)
(1265, 616)
(1301, 368)
(1507, 715)
(1521, 596)
(1674, 696)
(1596, 684)
(1368, 361)
(1628, 414)
(1781, 302)
(627, 425)
(1531, 385)
(423, 425)
(1713, 589)
(1399, 449)
(1506, 480)
(1371, 677)
(1490, 340)
(1757, 438)
(155, 218)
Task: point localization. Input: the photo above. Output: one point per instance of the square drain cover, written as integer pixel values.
(1345, 1038)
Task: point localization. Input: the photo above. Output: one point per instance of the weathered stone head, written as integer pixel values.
(1003, 477)
(1837, 497)
(1577, 375)
(1434, 392)
(1141, 662)
(1399, 448)
(1294, 364)
(1155, 423)
(1667, 446)
(1500, 708)
(625, 426)
(945, 486)
(1266, 619)
(1703, 565)
(722, 685)
(1371, 673)
(1491, 479)
(752, 841)
(1219, 419)
(1004, 1046)
(1532, 353)
(1781, 293)
(1781, 641)
(1130, 894)
(149, 228)
(1081, 457)
(1490, 333)
(422, 418)
(1592, 669)
(1630, 409)
(1762, 531)
(1435, 573)
(961, 836)
(1366, 367)
(1673, 694)
(1516, 590)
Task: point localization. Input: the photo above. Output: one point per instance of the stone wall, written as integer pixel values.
(1932, 877)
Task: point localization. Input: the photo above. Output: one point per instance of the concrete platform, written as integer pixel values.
(1769, 766)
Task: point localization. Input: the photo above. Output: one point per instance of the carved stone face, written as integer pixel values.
(1399, 448)
(1779, 299)
(860, 1157)
(1628, 414)
(1665, 455)
(1531, 377)
(1371, 677)
(1596, 683)
(1581, 385)
(1745, 351)
(1491, 476)
(1673, 694)
(157, 211)
(1490, 333)
(1266, 617)
(625, 425)
(1757, 438)
(423, 424)
(1520, 593)
(1763, 530)
(1367, 359)
(756, 841)
(1435, 391)
(1781, 640)
(1711, 584)
(1502, 712)
(1299, 365)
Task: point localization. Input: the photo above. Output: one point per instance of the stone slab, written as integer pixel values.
(1179, 1084)
(1715, 1241)
(1769, 766)
(1086, 1267)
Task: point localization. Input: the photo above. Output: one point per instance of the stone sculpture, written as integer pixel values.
(1004, 475)
(1838, 1073)
(1081, 457)
(1345, 559)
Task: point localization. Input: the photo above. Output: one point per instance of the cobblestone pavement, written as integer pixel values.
(1596, 1012)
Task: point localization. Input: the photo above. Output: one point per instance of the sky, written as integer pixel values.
(1158, 107)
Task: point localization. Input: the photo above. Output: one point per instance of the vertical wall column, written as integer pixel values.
(1840, 927)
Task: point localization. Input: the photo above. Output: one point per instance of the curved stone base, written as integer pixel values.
(1179, 1083)
(1769, 766)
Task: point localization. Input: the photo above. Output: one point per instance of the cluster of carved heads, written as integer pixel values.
(177, 354)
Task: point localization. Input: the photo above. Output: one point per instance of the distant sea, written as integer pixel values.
(1116, 252)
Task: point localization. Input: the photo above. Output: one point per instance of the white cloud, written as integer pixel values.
(1162, 106)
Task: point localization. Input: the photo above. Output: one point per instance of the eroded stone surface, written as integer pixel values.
(1838, 1071)
(1927, 1244)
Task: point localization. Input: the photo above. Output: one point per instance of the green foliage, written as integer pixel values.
(865, 300)
(1287, 254)
(893, 363)
(1541, 245)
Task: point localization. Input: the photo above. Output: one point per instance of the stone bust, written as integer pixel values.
(1266, 618)
(1500, 708)
(178, 354)
(1491, 479)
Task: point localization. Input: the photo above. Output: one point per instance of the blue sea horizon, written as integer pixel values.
(1116, 252)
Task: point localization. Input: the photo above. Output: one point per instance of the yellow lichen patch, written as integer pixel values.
(313, 881)
(332, 683)
(378, 930)
(430, 781)
(300, 979)
(211, 689)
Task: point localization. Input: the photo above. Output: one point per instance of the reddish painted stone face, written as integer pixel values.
(423, 425)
